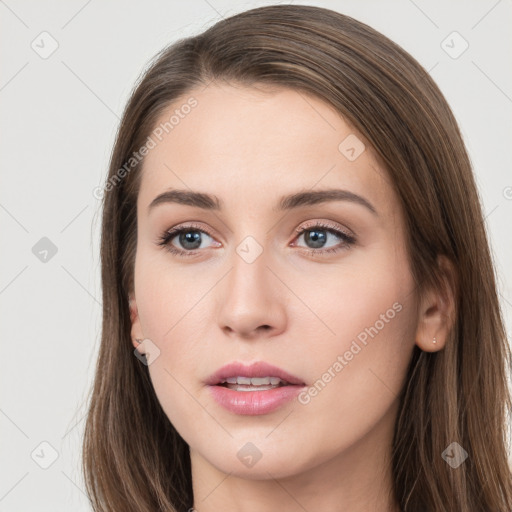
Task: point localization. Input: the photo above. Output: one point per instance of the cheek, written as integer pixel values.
(366, 297)
(177, 395)
(163, 295)
(357, 375)
(170, 310)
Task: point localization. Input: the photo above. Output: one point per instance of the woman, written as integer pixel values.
(300, 309)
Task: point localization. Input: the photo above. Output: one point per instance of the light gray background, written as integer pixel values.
(59, 117)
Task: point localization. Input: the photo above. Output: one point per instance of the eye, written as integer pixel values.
(317, 233)
(190, 238)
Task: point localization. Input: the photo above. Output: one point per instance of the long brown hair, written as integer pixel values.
(133, 458)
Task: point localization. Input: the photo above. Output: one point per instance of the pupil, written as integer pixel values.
(317, 237)
(193, 237)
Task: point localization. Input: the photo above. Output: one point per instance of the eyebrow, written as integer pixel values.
(290, 202)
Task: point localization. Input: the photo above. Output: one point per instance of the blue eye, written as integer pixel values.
(190, 238)
(317, 235)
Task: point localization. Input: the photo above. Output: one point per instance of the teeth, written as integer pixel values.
(260, 381)
(254, 381)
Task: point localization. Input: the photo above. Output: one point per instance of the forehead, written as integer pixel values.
(243, 141)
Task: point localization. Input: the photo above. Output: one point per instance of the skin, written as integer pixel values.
(249, 147)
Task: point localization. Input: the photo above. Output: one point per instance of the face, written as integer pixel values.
(320, 289)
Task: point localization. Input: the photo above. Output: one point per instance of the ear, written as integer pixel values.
(437, 310)
(136, 330)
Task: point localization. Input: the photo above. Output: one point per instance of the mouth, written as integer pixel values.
(253, 384)
(259, 388)
(258, 376)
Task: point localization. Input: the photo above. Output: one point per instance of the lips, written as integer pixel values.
(258, 370)
(256, 389)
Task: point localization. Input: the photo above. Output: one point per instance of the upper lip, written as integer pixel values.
(257, 369)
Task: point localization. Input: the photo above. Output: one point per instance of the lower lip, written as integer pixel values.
(253, 403)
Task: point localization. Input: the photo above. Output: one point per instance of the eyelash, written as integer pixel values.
(348, 240)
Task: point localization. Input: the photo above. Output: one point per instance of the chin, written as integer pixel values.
(258, 461)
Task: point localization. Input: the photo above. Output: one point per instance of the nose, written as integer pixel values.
(251, 300)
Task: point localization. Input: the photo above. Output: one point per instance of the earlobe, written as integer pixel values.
(137, 343)
(437, 310)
